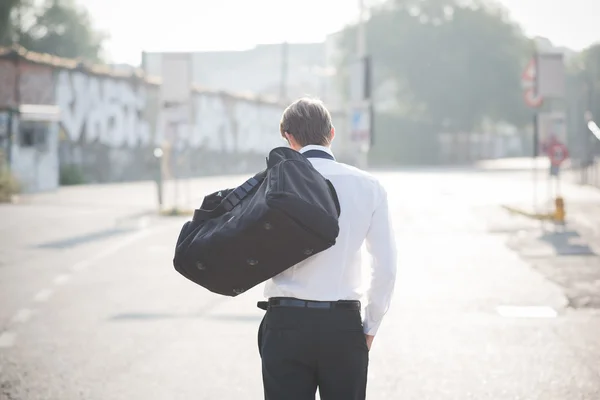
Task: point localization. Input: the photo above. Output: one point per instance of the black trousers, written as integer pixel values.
(306, 348)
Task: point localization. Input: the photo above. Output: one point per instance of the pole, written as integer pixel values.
(284, 71)
(365, 100)
(535, 156)
(159, 182)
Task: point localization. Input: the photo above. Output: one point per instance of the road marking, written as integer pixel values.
(79, 266)
(526, 312)
(7, 339)
(144, 222)
(23, 315)
(43, 295)
(61, 279)
(110, 250)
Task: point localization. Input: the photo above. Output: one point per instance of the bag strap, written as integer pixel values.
(335, 196)
(324, 154)
(232, 199)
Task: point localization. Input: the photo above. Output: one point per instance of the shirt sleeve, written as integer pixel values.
(381, 244)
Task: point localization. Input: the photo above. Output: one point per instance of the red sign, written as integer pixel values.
(532, 99)
(557, 152)
(528, 82)
(528, 74)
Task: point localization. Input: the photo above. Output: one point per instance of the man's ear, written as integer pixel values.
(292, 141)
(331, 134)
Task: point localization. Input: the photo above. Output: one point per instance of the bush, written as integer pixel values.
(71, 175)
(9, 186)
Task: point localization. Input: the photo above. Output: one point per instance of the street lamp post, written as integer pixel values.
(361, 45)
(363, 104)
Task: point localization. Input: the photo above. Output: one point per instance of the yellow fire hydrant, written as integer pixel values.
(559, 210)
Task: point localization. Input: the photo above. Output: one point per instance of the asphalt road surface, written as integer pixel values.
(91, 307)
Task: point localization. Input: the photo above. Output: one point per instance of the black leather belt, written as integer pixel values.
(289, 302)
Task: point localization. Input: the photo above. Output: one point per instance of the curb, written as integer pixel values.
(176, 212)
(538, 216)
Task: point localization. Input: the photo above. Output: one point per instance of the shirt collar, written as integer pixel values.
(316, 147)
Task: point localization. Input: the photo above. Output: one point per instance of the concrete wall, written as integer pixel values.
(111, 122)
(107, 125)
(226, 134)
(107, 121)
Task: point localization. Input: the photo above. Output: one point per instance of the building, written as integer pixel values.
(287, 70)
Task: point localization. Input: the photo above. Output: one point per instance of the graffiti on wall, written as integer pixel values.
(102, 109)
(225, 124)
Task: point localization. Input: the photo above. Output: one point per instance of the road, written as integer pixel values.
(91, 307)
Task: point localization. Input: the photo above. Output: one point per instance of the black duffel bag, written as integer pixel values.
(241, 237)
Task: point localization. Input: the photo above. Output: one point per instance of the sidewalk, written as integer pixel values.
(140, 196)
(590, 176)
(568, 255)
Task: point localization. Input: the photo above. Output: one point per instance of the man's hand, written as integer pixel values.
(369, 339)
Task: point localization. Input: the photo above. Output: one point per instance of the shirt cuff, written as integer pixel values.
(370, 327)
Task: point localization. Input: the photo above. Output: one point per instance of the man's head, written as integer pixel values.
(307, 121)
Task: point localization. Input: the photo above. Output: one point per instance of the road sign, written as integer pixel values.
(360, 128)
(550, 75)
(528, 75)
(532, 99)
(529, 84)
(557, 153)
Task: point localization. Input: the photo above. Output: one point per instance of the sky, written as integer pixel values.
(201, 25)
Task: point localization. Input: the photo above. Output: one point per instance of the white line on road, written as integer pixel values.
(7, 339)
(526, 312)
(43, 295)
(144, 222)
(110, 250)
(61, 279)
(23, 315)
(79, 266)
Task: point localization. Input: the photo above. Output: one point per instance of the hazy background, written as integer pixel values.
(118, 117)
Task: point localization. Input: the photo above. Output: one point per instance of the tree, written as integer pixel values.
(453, 63)
(583, 100)
(6, 10)
(589, 74)
(57, 27)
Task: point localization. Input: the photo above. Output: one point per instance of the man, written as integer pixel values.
(313, 334)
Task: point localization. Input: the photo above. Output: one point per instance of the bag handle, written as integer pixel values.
(232, 199)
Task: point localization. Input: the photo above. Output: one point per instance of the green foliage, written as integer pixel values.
(6, 9)
(587, 74)
(71, 175)
(453, 64)
(401, 141)
(583, 101)
(57, 27)
(9, 186)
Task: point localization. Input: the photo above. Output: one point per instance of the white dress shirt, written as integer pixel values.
(338, 272)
